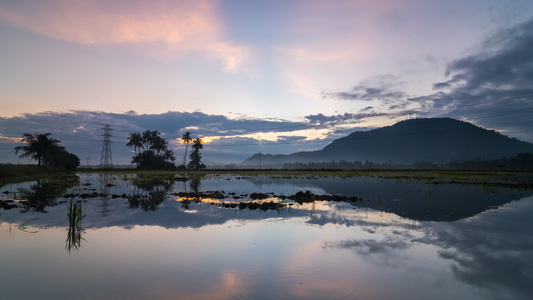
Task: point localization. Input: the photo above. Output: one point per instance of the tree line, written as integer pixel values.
(151, 151)
(47, 151)
(520, 161)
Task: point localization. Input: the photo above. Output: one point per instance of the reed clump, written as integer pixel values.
(75, 230)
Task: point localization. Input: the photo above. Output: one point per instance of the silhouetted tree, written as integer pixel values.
(186, 139)
(135, 141)
(156, 156)
(196, 157)
(47, 151)
(39, 147)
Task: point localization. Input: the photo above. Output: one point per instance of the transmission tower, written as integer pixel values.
(106, 160)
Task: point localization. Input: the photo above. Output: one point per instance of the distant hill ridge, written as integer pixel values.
(434, 140)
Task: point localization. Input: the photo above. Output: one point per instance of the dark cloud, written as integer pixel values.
(81, 131)
(492, 87)
(381, 88)
(323, 120)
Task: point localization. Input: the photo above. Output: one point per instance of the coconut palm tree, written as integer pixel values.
(135, 141)
(155, 154)
(39, 147)
(196, 157)
(169, 155)
(186, 139)
(148, 137)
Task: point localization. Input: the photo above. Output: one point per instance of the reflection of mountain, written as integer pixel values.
(492, 252)
(433, 140)
(415, 200)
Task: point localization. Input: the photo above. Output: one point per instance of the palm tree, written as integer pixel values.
(155, 152)
(196, 157)
(197, 144)
(135, 140)
(159, 144)
(39, 147)
(186, 139)
(148, 138)
(169, 155)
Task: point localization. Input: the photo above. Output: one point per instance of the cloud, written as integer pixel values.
(333, 120)
(230, 139)
(373, 246)
(498, 262)
(381, 88)
(167, 29)
(491, 87)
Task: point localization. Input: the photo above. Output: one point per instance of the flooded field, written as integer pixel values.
(230, 236)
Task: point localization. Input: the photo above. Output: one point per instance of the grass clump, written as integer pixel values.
(75, 216)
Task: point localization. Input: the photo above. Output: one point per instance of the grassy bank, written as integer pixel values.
(17, 173)
(509, 178)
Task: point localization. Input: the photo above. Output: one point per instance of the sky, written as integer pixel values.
(277, 76)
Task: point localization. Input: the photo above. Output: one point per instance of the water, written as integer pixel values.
(404, 240)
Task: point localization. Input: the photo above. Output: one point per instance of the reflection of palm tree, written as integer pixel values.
(44, 193)
(186, 139)
(39, 147)
(195, 183)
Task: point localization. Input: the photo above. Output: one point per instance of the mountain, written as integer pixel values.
(434, 140)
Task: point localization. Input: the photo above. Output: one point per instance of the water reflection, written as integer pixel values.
(313, 249)
(147, 202)
(75, 215)
(149, 194)
(44, 193)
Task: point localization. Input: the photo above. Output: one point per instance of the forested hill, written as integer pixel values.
(433, 140)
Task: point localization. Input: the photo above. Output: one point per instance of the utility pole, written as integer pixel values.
(106, 160)
(88, 161)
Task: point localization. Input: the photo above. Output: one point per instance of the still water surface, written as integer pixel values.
(400, 240)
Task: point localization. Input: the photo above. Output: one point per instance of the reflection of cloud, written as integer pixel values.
(492, 251)
(371, 246)
(166, 28)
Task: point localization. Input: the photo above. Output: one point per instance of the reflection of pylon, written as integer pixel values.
(106, 160)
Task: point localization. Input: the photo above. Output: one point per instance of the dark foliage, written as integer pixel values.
(47, 151)
(519, 162)
(156, 154)
(195, 156)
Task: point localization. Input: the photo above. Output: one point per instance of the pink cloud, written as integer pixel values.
(168, 29)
